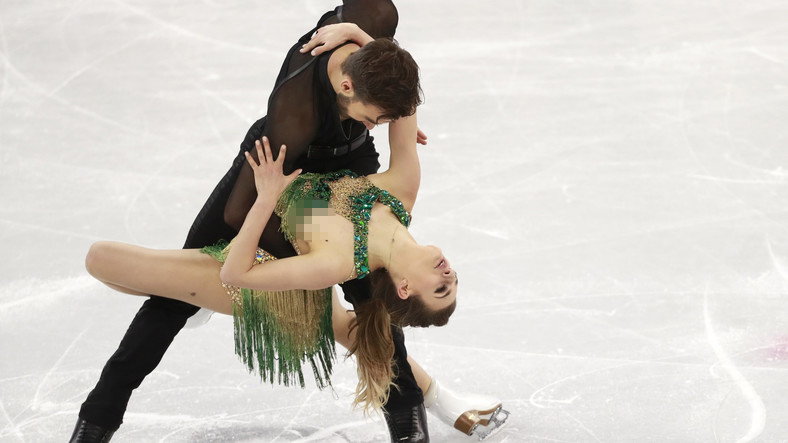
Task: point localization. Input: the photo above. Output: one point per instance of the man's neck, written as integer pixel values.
(334, 68)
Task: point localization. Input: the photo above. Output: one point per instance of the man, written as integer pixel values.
(323, 117)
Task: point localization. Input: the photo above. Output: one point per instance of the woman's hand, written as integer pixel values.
(330, 36)
(268, 175)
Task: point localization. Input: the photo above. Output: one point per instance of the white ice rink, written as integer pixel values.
(610, 179)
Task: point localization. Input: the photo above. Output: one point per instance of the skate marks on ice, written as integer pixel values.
(587, 177)
(758, 417)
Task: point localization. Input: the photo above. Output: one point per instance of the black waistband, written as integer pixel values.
(316, 152)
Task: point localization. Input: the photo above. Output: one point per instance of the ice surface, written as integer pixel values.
(610, 179)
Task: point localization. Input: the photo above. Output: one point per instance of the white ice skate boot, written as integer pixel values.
(200, 318)
(477, 415)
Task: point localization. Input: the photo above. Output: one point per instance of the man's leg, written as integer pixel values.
(152, 330)
(404, 410)
(140, 351)
(156, 324)
(471, 414)
(477, 415)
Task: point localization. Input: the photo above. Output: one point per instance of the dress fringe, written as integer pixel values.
(277, 332)
(273, 341)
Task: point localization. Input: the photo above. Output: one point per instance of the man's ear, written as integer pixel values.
(402, 289)
(346, 86)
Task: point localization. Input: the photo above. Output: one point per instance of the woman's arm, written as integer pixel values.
(270, 181)
(315, 270)
(330, 36)
(362, 21)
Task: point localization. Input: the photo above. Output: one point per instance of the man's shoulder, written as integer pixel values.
(357, 290)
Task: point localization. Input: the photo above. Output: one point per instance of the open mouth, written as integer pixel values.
(442, 264)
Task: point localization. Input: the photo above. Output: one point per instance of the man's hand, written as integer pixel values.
(330, 36)
(268, 176)
(421, 137)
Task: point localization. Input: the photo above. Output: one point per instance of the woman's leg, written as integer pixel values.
(123, 290)
(183, 274)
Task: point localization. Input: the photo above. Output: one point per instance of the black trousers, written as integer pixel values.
(160, 319)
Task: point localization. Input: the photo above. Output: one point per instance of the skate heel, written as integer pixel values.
(483, 423)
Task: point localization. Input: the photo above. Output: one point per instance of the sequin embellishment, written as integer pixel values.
(234, 292)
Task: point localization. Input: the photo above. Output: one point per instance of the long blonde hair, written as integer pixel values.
(374, 347)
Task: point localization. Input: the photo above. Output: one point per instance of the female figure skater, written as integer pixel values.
(343, 227)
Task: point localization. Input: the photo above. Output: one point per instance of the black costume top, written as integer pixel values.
(303, 112)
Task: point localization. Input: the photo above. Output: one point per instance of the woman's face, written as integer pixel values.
(433, 279)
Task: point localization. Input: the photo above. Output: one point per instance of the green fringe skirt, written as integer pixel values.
(277, 332)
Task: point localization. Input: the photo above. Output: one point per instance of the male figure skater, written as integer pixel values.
(324, 122)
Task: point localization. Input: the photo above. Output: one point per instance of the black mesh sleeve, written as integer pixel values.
(292, 111)
(378, 18)
(292, 120)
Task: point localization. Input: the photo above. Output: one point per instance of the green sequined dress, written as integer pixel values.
(276, 332)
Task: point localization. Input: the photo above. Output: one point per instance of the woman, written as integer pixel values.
(344, 227)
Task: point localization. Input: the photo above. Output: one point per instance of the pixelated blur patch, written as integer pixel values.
(300, 211)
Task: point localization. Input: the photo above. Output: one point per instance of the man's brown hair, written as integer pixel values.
(386, 76)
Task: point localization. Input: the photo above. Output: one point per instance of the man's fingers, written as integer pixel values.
(421, 137)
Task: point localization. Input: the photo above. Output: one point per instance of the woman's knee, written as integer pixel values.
(96, 256)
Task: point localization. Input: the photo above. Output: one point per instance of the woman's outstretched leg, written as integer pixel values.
(182, 274)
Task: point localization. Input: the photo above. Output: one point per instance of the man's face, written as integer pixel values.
(365, 113)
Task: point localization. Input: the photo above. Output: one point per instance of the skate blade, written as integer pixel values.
(492, 425)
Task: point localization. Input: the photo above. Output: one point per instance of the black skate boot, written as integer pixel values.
(408, 425)
(86, 432)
